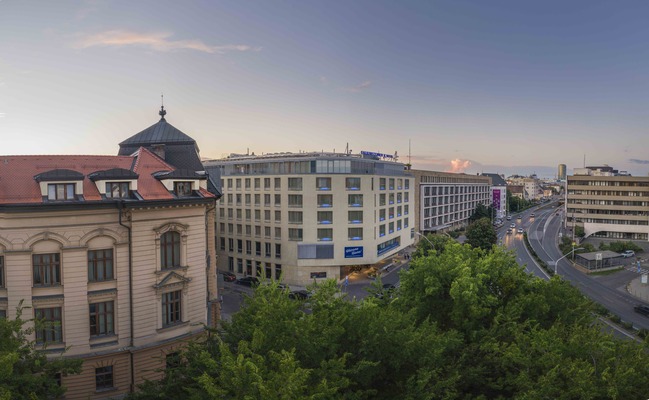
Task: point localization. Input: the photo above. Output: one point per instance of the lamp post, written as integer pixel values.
(424, 236)
(556, 263)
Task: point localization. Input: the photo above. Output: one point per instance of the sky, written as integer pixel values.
(463, 86)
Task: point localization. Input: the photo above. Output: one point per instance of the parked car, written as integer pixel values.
(628, 253)
(299, 294)
(248, 281)
(229, 276)
(642, 309)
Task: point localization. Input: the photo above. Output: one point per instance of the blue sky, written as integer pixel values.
(493, 86)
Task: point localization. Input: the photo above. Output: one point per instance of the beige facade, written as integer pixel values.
(309, 221)
(445, 200)
(615, 207)
(135, 330)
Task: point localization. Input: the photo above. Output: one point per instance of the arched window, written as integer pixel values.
(170, 250)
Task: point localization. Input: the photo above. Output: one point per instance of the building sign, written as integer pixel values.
(495, 199)
(378, 155)
(354, 252)
(318, 275)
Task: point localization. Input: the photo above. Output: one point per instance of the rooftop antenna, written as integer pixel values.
(409, 152)
(162, 112)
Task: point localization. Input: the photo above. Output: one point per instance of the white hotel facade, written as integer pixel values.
(307, 216)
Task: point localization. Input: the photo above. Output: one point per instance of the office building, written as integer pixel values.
(498, 194)
(113, 251)
(608, 205)
(310, 216)
(562, 172)
(446, 201)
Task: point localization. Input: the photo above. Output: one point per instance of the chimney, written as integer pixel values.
(158, 150)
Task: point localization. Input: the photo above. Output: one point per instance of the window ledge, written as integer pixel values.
(172, 327)
(166, 270)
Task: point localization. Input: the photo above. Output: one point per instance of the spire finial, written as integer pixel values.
(162, 112)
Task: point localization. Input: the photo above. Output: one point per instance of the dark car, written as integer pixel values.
(642, 309)
(229, 276)
(248, 281)
(299, 295)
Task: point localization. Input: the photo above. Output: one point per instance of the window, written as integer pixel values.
(399, 225)
(267, 200)
(382, 214)
(295, 200)
(399, 183)
(278, 251)
(47, 269)
(407, 186)
(171, 308)
(238, 199)
(323, 183)
(294, 234)
(249, 247)
(325, 234)
(353, 183)
(278, 271)
(183, 189)
(247, 183)
(278, 200)
(248, 214)
(100, 265)
(391, 198)
(399, 211)
(257, 199)
(391, 212)
(239, 246)
(238, 181)
(239, 213)
(170, 250)
(231, 264)
(278, 216)
(101, 318)
(230, 213)
(258, 248)
(391, 227)
(382, 183)
(381, 230)
(391, 181)
(398, 197)
(295, 217)
(257, 183)
(2, 272)
(355, 217)
(325, 200)
(269, 271)
(382, 199)
(247, 199)
(325, 217)
(278, 183)
(60, 191)
(267, 183)
(405, 209)
(257, 215)
(278, 233)
(294, 183)
(355, 233)
(267, 248)
(117, 190)
(355, 200)
(48, 329)
(239, 266)
(267, 232)
(104, 378)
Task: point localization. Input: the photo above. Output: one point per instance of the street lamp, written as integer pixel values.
(556, 263)
(424, 236)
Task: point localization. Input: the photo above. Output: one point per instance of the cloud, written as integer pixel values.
(324, 80)
(358, 88)
(636, 161)
(2, 115)
(458, 166)
(158, 41)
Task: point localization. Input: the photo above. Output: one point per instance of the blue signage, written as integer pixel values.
(354, 252)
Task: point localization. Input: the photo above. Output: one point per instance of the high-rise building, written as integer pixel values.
(307, 216)
(562, 172)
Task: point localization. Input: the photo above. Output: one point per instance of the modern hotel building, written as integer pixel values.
(307, 216)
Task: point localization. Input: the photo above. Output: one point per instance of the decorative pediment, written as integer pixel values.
(172, 280)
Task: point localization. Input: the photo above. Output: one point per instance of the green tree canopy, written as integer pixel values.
(465, 323)
(481, 234)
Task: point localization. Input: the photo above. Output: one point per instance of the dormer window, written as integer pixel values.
(60, 191)
(117, 190)
(183, 189)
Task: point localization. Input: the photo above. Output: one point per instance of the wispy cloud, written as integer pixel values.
(636, 161)
(358, 88)
(158, 41)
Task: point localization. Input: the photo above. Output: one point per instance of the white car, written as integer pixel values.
(512, 225)
(509, 218)
(520, 230)
(628, 253)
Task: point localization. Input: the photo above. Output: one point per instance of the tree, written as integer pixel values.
(481, 234)
(26, 373)
(481, 211)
